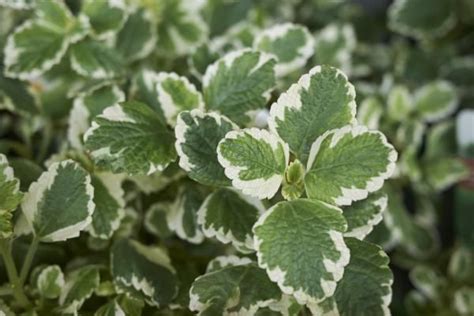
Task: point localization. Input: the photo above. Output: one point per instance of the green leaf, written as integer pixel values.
(155, 220)
(137, 38)
(292, 44)
(112, 308)
(241, 290)
(182, 216)
(59, 205)
(238, 83)
(87, 106)
(181, 27)
(436, 100)
(145, 89)
(143, 272)
(399, 104)
(365, 288)
(130, 137)
(346, 164)
(428, 281)
(176, 94)
(79, 286)
(410, 134)
(18, 4)
(50, 282)
(106, 16)
(441, 173)
(197, 137)
(370, 112)
(96, 60)
(363, 215)
(334, 46)
(323, 99)
(464, 300)
(300, 244)
(255, 160)
(109, 205)
(10, 196)
(40, 43)
(441, 140)
(221, 262)
(17, 96)
(229, 217)
(414, 18)
(201, 58)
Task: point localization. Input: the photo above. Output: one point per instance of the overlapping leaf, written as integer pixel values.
(79, 286)
(10, 196)
(105, 17)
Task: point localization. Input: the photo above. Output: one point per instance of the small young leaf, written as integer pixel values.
(368, 266)
(79, 286)
(346, 164)
(292, 44)
(255, 160)
(239, 83)
(300, 244)
(241, 289)
(414, 18)
(230, 216)
(176, 94)
(105, 17)
(50, 282)
(109, 205)
(155, 220)
(363, 215)
(93, 59)
(10, 196)
(130, 137)
(321, 100)
(137, 38)
(60, 203)
(197, 137)
(436, 100)
(182, 216)
(143, 272)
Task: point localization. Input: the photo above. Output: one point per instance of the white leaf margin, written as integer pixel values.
(277, 275)
(246, 246)
(362, 231)
(259, 188)
(352, 194)
(35, 195)
(304, 52)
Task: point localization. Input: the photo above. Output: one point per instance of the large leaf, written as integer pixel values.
(292, 44)
(348, 163)
(436, 100)
(363, 215)
(230, 216)
(59, 204)
(197, 137)
(10, 196)
(365, 288)
(241, 289)
(414, 18)
(143, 272)
(95, 60)
(300, 244)
(323, 99)
(239, 83)
(255, 160)
(130, 137)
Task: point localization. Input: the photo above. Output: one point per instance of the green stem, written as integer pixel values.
(28, 260)
(13, 274)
